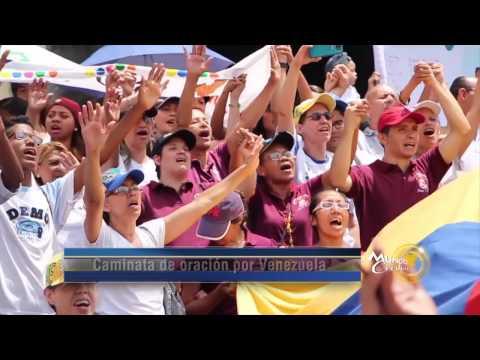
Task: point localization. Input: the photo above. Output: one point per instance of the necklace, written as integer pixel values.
(288, 226)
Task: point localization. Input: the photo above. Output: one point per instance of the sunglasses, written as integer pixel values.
(277, 155)
(22, 135)
(124, 190)
(319, 115)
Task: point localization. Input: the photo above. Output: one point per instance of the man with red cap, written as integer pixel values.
(386, 188)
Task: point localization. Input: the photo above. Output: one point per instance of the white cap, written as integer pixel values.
(428, 104)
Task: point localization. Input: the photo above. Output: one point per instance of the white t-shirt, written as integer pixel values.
(470, 160)
(131, 299)
(306, 167)
(369, 148)
(349, 95)
(29, 219)
(71, 234)
(148, 167)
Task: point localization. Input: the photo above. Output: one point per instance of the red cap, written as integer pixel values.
(397, 114)
(70, 104)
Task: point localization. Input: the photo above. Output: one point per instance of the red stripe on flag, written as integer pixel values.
(473, 302)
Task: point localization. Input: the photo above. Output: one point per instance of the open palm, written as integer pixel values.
(151, 89)
(38, 95)
(94, 129)
(197, 62)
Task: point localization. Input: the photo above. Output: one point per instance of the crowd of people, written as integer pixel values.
(300, 166)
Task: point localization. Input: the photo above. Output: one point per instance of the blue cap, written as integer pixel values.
(215, 224)
(114, 178)
(341, 106)
(339, 59)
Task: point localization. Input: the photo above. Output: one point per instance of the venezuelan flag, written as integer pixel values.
(446, 225)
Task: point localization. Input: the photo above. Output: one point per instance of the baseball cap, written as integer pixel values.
(166, 100)
(54, 274)
(183, 134)
(339, 59)
(428, 104)
(114, 178)
(70, 104)
(396, 114)
(325, 99)
(284, 138)
(341, 106)
(151, 113)
(215, 224)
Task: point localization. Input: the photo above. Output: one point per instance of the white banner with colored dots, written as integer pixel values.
(396, 62)
(27, 62)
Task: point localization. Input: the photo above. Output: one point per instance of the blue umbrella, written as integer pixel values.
(145, 55)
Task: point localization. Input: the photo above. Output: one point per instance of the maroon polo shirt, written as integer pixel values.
(267, 213)
(217, 167)
(381, 191)
(159, 200)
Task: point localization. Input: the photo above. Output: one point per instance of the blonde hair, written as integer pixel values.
(46, 150)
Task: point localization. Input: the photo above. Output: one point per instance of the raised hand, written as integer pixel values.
(3, 59)
(94, 129)
(38, 95)
(123, 82)
(128, 85)
(275, 69)
(151, 89)
(284, 53)
(250, 148)
(424, 72)
(232, 84)
(374, 80)
(197, 62)
(438, 72)
(68, 160)
(331, 81)
(356, 112)
(303, 56)
(238, 85)
(112, 110)
(341, 72)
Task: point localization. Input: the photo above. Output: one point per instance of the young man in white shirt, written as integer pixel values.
(313, 117)
(29, 219)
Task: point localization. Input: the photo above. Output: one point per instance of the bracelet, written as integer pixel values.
(284, 65)
(234, 105)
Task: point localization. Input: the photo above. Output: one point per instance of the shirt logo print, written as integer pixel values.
(422, 182)
(301, 202)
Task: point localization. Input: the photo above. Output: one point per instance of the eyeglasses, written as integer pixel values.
(318, 115)
(338, 125)
(330, 204)
(277, 155)
(22, 135)
(124, 190)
